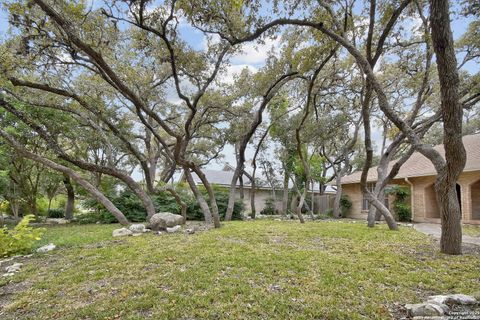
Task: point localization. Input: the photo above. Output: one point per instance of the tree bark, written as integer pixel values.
(452, 112)
(338, 195)
(70, 205)
(285, 193)
(211, 196)
(198, 195)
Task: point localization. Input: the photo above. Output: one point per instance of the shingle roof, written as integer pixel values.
(418, 165)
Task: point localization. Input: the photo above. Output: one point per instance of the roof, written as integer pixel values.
(418, 165)
(224, 178)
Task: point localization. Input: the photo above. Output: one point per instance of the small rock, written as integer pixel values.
(146, 230)
(190, 231)
(137, 228)
(14, 268)
(9, 274)
(56, 221)
(277, 219)
(121, 232)
(174, 229)
(48, 247)
(424, 310)
(137, 234)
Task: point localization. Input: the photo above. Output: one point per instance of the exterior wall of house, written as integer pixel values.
(322, 202)
(425, 204)
(354, 193)
(423, 198)
(261, 196)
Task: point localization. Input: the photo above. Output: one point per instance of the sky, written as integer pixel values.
(252, 57)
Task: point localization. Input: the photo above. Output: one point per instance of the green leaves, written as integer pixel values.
(21, 239)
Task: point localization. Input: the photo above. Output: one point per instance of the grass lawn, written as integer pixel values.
(473, 231)
(245, 270)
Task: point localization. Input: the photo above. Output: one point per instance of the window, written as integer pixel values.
(371, 188)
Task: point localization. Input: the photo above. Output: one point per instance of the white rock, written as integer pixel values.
(462, 299)
(137, 228)
(174, 229)
(9, 274)
(137, 234)
(121, 232)
(48, 247)
(14, 267)
(190, 231)
(56, 221)
(424, 310)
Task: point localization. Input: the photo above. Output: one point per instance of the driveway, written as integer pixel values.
(434, 229)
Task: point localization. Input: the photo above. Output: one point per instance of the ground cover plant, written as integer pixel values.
(244, 270)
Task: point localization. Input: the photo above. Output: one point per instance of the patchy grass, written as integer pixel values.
(470, 230)
(245, 270)
(75, 235)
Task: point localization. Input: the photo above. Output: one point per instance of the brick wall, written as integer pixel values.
(423, 198)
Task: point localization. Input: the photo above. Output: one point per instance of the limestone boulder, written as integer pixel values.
(424, 310)
(164, 220)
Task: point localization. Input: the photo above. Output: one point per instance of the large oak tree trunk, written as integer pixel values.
(70, 205)
(455, 156)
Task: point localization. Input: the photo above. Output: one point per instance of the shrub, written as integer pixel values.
(328, 214)
(56, 213)
(400, 207)
(20, 239)
(269, 207)
(345, 205)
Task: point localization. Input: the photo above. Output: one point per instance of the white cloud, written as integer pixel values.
(231, 71)
(254, 53)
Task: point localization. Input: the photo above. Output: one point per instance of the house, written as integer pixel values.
(263, 191)
(419, 175)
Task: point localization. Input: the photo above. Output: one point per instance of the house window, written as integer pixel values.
(366, 203)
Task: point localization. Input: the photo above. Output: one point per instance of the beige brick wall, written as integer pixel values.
(423, 198)
(354, 192)
(470, 184)
(475, 196)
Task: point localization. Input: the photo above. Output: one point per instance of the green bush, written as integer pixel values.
(269, 207)
(132, 207)
(56, 213)
(328, 214)
(345, 205)
(20, 239)
(403, 211)
(400, 207)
